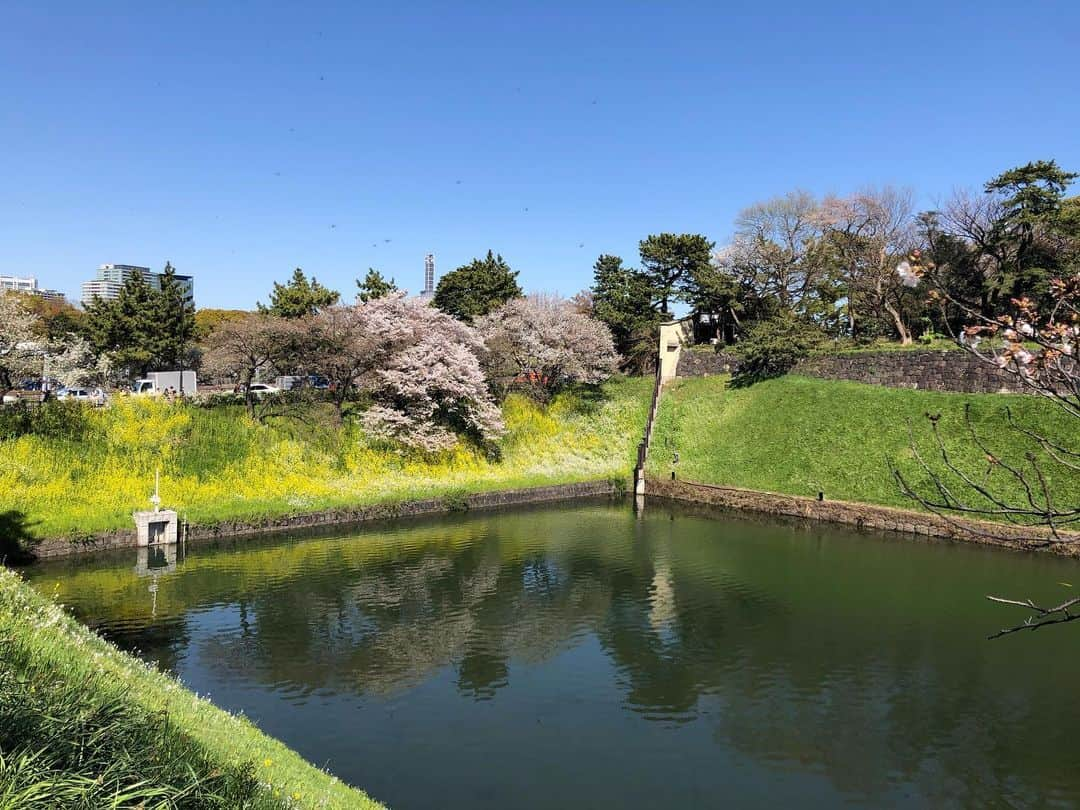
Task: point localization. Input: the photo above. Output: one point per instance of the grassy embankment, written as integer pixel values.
(216, 464)
(85, 725)
(801, 436)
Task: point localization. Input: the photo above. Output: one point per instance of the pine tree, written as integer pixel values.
(299, 297)
(175, 322)
(477, 288)
(622, 298)
(124, 328)
(374, 286)
(671, 262)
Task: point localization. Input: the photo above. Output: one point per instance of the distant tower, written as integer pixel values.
(429, 276)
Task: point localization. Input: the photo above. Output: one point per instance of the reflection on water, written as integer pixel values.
(578, 656)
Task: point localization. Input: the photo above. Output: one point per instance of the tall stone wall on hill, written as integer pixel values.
(954, 371)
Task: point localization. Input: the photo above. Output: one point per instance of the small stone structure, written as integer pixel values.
(155, 527)
(955, 371)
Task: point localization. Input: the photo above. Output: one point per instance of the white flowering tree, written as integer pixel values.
(420, 368)
(20, 350)
(74, 364)
(543, 343)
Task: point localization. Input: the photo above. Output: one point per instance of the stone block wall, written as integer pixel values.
(202, 533)
(866, 516)
(704, 363)
(954, 371)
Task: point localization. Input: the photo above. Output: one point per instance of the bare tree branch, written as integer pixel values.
(1041, 616)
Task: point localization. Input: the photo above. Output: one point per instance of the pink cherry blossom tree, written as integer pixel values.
(543, 343)
(420, 368)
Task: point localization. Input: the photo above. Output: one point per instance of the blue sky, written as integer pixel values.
(240, 140)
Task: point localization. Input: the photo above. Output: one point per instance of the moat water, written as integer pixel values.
(580, 656)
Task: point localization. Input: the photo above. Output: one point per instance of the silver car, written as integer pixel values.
(93, 396)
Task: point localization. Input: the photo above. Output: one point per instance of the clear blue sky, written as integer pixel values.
(240, 140)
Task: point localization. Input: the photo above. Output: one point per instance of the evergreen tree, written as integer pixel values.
(374, 286)
(125, 328)
(174, 319)
(671, 261)
(1034, 238)
(299, 297)
(477, 288)
(143, 329)
(622, 298)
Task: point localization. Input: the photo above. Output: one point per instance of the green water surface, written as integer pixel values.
(583, 656)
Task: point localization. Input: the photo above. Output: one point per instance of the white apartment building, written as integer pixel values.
(110, 278)
(29, 285)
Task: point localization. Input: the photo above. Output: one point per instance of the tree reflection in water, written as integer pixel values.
(807, 651)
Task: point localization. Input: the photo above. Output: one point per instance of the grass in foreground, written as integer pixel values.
(218, 465)
(83, 724)
(801, 436)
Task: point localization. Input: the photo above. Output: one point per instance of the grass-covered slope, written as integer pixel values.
(83, 724)
(802, 436)
(217, 464)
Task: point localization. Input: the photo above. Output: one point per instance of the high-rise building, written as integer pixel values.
(429, 276)
(29, 285)
(110, 278)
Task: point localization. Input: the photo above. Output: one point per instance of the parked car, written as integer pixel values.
(94, 396)
(262, 389)
(288, 383)
(46, 384)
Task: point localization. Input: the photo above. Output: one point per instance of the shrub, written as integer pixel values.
(53, 419)
(772, 347)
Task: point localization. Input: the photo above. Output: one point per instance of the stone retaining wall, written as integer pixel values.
(955, 371)
(864, 516)
(125, 538)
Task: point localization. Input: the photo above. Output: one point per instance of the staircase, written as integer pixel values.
(646, 439)
(673, 335)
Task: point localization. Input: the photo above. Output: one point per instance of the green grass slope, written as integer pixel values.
(802, 436)
(83, 724)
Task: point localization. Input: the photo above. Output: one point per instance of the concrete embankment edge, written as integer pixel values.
(865, 516)
(125, 538)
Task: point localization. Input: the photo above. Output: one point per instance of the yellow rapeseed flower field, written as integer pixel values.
(218, 464)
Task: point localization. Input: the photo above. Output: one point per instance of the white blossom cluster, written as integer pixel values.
(543, 341)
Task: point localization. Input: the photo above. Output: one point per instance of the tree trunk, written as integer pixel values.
(905, 336)
(249, 399)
